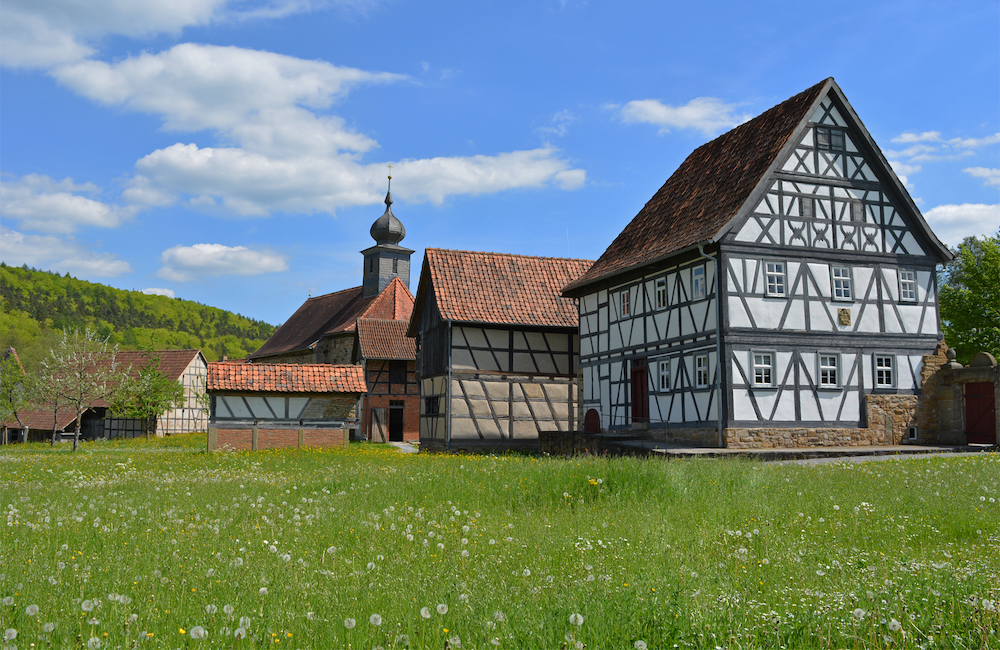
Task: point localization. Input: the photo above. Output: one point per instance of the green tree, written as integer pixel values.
(147, 394)
(14, 392)
(81, 371)
(969, 298)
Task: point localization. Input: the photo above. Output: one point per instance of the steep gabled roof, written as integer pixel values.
(336, 313)
(718, 183)
(499, 288)
(173, 363)
(285, 378)
(385, 339)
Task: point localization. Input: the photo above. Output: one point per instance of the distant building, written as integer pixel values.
(187, 367)
(778, 290)
(326, 329)
(497, 349)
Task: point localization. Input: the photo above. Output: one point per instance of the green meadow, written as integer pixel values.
(161, 545)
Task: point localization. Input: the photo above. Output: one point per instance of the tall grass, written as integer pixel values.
(123, 545)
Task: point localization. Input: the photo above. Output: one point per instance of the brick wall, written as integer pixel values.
(254, 438)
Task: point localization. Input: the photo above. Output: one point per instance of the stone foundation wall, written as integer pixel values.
(254, 438)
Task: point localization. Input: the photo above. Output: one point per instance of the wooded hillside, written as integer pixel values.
(37, 305)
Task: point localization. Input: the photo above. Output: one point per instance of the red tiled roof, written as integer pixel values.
(40, 418)
(705, 192)
(385, 339)
(335, 313)
(499, 288)
(285, 378)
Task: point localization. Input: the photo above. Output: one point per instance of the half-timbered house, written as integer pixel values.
(496, 349)
(779, 289)
(325, 329)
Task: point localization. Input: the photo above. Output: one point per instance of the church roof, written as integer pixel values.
(717, 182)
(385, 339)
(388, 229)
(285, 378)
(336, 313)
(499, 288)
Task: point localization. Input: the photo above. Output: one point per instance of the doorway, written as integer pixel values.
(980, 414)
(396, 420)
(640, 394)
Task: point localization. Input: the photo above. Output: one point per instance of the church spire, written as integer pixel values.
(386, 259)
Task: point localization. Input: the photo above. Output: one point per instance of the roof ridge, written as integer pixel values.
(334, 293)
(533, 257)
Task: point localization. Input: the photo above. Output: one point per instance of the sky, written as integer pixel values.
(235, 152)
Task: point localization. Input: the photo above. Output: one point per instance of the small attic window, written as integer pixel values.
(829, 139)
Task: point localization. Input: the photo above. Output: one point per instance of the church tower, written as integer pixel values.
(386, 259)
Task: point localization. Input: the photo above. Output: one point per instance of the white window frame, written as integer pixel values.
(762, 367)
(626, 302)
(699, 283)
(663, 375)
(779, 272)
(824, 377)
(701, 378)
(879, 370)
(660, 288)
(842, 283)
(907, 285)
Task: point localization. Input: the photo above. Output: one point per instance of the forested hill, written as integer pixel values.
(37, 306)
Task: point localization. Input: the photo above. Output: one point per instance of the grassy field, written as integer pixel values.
(160, 545)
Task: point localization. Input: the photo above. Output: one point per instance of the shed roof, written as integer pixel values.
(336, 313)
(499, 288)
(285, 378)
(385, 339)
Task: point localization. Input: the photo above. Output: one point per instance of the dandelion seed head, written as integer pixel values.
(198, 632)
(240, 633)
(262, 591)
(640, 645)
(576, 619)
(9, 634)
(895, 625)
(349, 623)
(442, 609)
(425, 612)
(31, 610)
(375, 620)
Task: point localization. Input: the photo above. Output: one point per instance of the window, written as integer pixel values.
(664, 375)
(371, 264)
(806, 207)
(857, 211)
(625, 302)
(829, 139)
(908, 286)
(842, 283)
(661, 293)
(395, 265)
(763, 367)
(698, 283)
(775, 272)
(431, 405)
(701, 371)
(829, 371)
(885, 377)
(911, 433)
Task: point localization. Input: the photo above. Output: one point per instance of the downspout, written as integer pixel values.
(718, 337)
(447, 420)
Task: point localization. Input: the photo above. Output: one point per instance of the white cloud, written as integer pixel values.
(990, 176)
(903, 171)
(53, 253)
(706, 114)
(929, 146)
(36, 33)
(42, 204)
(560, 123)
(155, 291)
(953, 223)
(184, 263)
(280, 151)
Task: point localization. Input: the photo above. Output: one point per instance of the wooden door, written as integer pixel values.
(380, 425)
(640, 394)
(980, 414)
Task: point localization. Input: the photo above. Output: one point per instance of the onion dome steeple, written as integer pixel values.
(388, 229)
(386, 259)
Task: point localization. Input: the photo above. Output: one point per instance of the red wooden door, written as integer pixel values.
(980, 414)
(640, 394)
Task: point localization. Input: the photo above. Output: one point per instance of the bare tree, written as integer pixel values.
(13, 391)
(82, 371)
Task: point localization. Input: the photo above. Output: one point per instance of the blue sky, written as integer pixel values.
(235, 152)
